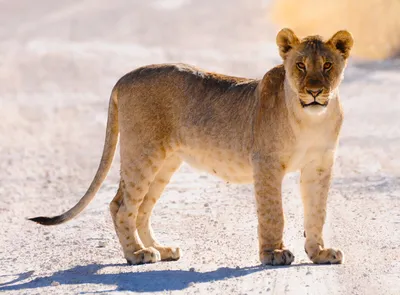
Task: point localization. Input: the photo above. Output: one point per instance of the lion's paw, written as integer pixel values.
(169, 253)
(276, 257)
(146, 255)
(327, 256)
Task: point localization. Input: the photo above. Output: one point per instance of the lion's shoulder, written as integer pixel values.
(272, 81)
(271, 87)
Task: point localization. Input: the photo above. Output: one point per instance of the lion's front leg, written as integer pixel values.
(268, 177)
(315, 181)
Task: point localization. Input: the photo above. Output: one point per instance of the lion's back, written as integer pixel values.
(185, 95)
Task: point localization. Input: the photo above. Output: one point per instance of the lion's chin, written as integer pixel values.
(315, 110)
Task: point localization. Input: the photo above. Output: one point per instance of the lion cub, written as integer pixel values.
(242, 130)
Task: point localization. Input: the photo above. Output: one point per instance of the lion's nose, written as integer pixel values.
(314, 92)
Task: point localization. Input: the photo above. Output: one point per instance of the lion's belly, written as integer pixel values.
(224, 164)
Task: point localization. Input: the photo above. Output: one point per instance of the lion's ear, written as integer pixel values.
(343, 42)
(286, 40)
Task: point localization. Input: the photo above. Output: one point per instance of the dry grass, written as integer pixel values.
(375, 24)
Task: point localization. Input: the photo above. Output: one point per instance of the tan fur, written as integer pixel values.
(239, 129)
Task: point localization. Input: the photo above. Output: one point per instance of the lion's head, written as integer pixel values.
(314, 68)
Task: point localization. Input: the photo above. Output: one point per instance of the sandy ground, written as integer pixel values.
(58, 63)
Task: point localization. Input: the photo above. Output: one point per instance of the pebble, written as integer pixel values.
(55, 283)
(102, 244)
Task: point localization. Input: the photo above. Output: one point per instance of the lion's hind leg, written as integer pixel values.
(138, 169)
(146, 208)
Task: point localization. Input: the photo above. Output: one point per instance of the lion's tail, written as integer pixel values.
(110, 144)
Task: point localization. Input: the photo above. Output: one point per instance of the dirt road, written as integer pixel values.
(58, 63)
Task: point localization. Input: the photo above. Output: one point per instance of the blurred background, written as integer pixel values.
(58, 63)
(375, 24)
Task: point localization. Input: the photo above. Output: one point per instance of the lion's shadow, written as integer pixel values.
(147, 281)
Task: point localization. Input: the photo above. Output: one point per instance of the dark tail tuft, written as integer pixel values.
(48, 220)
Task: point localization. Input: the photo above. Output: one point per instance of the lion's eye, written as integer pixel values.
(301, 66)
(327, 65)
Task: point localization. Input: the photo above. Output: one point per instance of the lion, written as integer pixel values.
(241, 130)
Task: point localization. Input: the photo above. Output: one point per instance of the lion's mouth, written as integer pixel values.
(314, 103)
